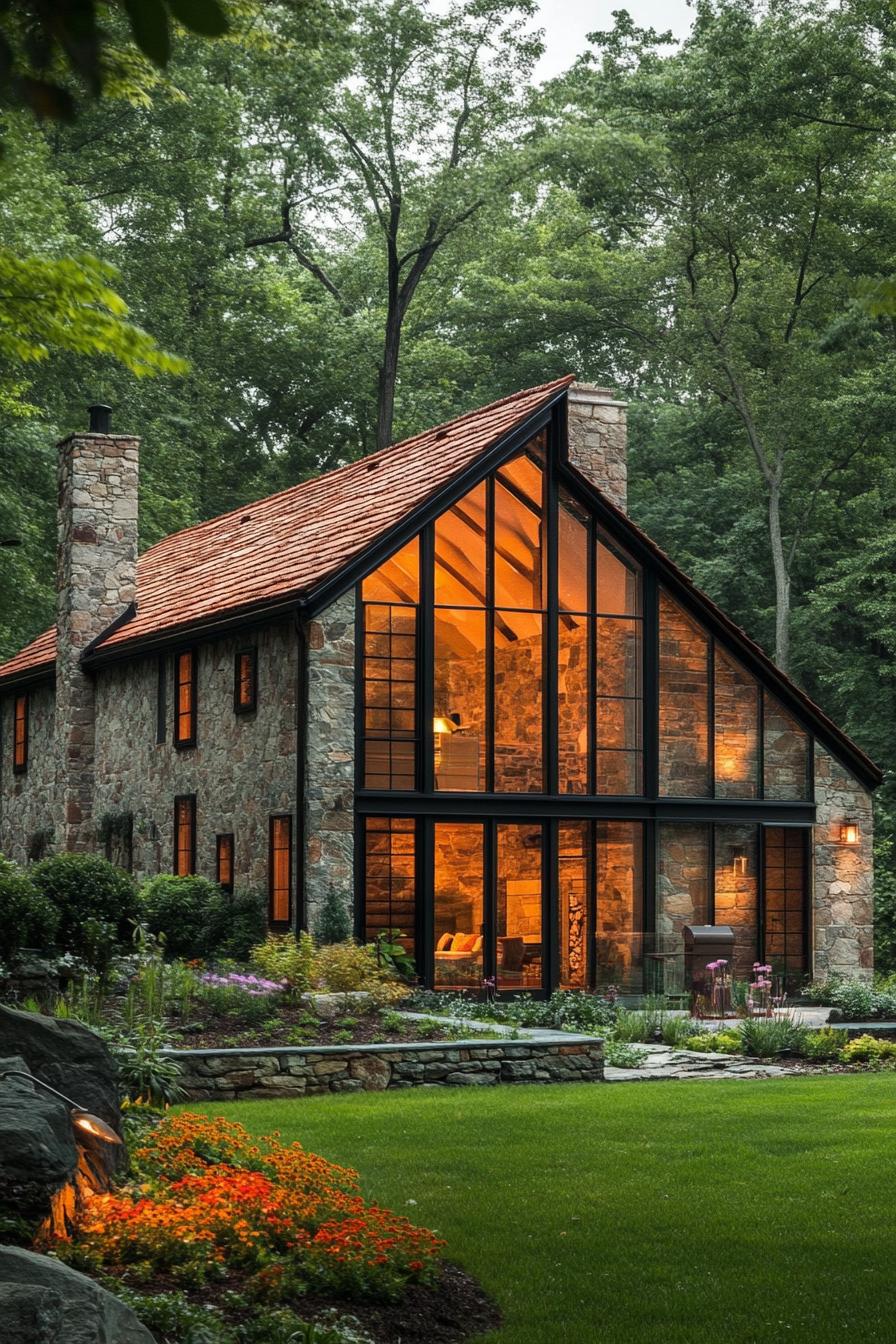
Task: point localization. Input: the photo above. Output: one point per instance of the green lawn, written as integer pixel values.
(664, 1212)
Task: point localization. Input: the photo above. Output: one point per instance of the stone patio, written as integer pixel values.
(664, 1063)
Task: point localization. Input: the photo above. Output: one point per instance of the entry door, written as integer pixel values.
(786, 913)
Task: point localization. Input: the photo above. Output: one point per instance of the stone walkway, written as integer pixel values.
(664, 1063)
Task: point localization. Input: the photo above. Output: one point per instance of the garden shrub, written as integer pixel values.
(869, 1050)
(27, 917)
(186, 911)
(286, 959)
(212, 1204)
(622, 1055)
(725, 1042)
(763, 1037)
(565, 1010)
(826, 1043)
(97, 903)
(248, 998)
(344, 968)
(241, 922)
(333, 923)
(854, 1000)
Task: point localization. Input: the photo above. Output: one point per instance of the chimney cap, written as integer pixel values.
(99, 418)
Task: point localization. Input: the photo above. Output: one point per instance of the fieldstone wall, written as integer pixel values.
(227, 1075)
(242, 769)
(28, 816)
(843, 902)
(330, 757)
(96, 579)
(597, 439)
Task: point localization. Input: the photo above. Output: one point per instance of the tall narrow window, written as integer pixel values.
(390, 596)
(574, 716)
(224, 864)
(785, 755)
(390, 886)
(20, 736)
(280, 869)
(245, 681)
(185, 699)
(785, 902)
(737, 729)
(185, 834)
(684, 703)
(619, 688)
(620, 905)
(519, 918)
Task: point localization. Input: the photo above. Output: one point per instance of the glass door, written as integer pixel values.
(458, 905)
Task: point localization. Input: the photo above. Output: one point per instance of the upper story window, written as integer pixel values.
(20, 735)
(391, 596)
(185, 699)
(185, 835)
(524, 644)
(721, 734)
(245, 681)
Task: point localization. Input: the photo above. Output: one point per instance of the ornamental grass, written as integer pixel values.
(211, 1204)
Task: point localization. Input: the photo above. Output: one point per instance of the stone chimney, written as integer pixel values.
(597, 439)
(96, 580)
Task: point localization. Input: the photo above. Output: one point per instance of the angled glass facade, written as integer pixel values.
(560, 764)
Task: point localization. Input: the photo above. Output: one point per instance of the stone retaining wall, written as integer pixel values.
(273, 1071)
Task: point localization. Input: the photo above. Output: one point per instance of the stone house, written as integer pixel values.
(454, 683)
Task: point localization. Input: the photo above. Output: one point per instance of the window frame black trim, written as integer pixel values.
(191, 799)
(249, 651)
(187, 744)
(281, 925)
(21, 768)
(231, 839)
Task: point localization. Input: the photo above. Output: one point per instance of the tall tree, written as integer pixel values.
(424, 133)
(777, 125)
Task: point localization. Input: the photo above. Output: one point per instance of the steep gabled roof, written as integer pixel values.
(286, 550)
(285, 546)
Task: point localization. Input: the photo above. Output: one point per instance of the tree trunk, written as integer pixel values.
(388, 374)
(782, 577)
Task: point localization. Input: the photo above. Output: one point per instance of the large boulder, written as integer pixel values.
(38, 1155)
(66, 1055)
(43, 1301)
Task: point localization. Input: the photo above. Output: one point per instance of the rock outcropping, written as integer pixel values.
(43, 1301)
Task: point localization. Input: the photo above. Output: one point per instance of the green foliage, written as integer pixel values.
(622, 1055)
(868, 1049)
(391, 954)
(676, 1030)
(96, 901)
(824, 1044)
(642, 1024)
(239, 922)
(854, 1000)
(333, 923)
(763, 1038)
(28, 918)
(186, 911)
(565, 1010)
(285, 958)
(725, 1042)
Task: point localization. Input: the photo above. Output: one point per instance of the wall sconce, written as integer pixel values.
(81, 1118)
(739, 865)
(849, 833)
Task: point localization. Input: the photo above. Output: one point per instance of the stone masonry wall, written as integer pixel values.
(27, 802)
(330, 757)
(226, 1075)
(96, 577)
(242, 769)
(844, 874)
(597, 439)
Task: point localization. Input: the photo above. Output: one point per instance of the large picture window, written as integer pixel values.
(389, 693)
(390, 879)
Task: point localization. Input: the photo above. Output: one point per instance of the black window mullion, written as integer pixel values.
(425, 698)
(550, 636)
(490, 901)
(650, 714)
(490, 635)
(550, 907)
(591, 638)
(711, 713)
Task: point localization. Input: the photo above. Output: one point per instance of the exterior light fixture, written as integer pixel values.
(849, 833)
(81, 1118)
(739, 865)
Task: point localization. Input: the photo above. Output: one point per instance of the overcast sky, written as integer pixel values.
(566, 23)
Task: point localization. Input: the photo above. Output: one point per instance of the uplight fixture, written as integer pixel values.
(81, 1118)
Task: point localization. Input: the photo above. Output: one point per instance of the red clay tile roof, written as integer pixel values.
(284, 546)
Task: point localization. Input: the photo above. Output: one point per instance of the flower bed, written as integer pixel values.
(244, 1227)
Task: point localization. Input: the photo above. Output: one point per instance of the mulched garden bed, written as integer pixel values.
(292, 1027)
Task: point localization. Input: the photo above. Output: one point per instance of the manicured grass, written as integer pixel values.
(664, 1212)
